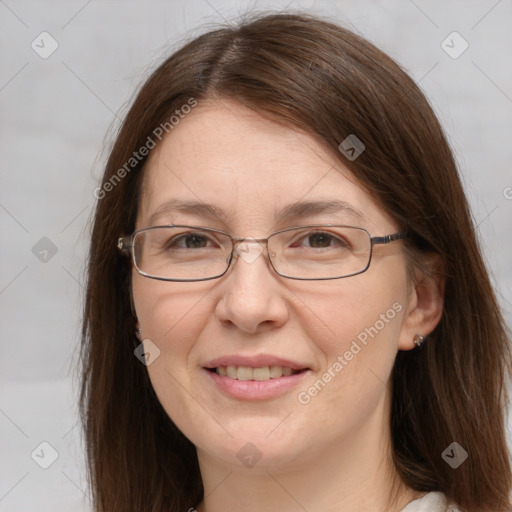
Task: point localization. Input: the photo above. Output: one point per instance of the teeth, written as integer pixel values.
(276, 372)
(260, 373)
(231, 372)
(247, 373)
(244, 373)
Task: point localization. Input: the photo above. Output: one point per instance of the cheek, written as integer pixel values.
(169, 313)
(342, 310)
(355, 325)
(172, 316)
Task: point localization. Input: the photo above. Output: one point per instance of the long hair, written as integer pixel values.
(310, 74)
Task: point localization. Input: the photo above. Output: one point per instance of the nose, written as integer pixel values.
(253, 296)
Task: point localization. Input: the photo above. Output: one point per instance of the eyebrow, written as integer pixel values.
(190, 207)
(303, 209)
(297, 210)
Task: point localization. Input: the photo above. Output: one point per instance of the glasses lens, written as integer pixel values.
(320, 252)
(181, 253)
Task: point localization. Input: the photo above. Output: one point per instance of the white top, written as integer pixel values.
(431, 502)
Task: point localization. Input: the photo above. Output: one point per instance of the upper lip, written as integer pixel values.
(256, 361)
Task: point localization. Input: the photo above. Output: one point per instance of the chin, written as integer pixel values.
(258, 444)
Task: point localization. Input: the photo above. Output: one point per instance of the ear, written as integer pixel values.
(425, 301)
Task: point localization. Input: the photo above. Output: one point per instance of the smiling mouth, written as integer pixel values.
(261, 373)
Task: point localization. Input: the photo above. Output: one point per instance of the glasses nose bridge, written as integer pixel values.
(236, 252)
(249, 239)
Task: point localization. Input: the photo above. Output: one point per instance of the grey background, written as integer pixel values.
(55, 115)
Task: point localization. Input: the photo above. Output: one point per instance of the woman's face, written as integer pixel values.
(342, 334)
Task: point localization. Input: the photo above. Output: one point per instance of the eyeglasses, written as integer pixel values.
(192, 253)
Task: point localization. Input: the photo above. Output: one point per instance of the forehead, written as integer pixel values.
(250, 170)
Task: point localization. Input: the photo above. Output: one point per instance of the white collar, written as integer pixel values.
(431, 502)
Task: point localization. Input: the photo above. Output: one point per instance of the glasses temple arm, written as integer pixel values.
(388, 238)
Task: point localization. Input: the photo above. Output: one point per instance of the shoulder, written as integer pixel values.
(431, 502)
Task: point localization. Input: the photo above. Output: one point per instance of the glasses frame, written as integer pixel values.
(125, 244)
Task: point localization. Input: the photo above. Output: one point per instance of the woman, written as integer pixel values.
(287, 308)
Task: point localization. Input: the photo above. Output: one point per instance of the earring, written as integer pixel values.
(418, 340)
(138, 333)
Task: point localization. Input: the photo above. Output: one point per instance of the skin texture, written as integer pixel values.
(332, 453)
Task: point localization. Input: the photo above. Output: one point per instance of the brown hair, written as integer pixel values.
(307, 73)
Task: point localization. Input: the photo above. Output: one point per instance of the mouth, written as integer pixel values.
(254, 378)
(260, 373)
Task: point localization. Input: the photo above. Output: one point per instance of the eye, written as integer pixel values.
(188, 241)
(320, 240)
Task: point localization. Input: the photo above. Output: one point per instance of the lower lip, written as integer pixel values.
(255, 389)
